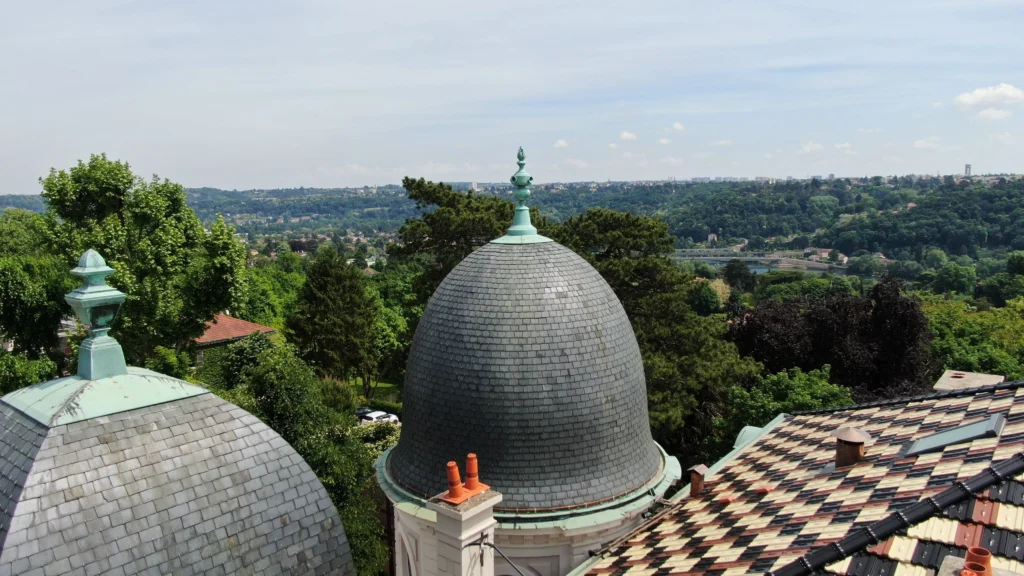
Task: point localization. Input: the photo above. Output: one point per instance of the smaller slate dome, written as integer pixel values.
(131, 472)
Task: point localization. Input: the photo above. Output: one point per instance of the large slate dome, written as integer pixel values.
(525, 356)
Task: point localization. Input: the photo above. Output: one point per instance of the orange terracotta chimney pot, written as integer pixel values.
(454, 482)
(982, 557)
(975, 568)
(472, 473)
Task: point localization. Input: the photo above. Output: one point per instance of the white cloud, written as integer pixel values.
(577, 163)
(1004, 138)
(634, 156)
(869, 130)
(810, 148)
(929, 143)
(722, 143)
(846, 148)
(701, 156)
(627, 136)
(664, 141)
(1000, 95)
(561, 144)
(937, 104)
(767, 155)
(678, 127)
(671, 161)
(613, 146)
(994, 114)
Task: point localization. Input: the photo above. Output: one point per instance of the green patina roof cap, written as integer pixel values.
(104, 384)
(522, 230)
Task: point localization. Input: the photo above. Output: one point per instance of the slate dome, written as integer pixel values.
(525, 356)
(121, 470)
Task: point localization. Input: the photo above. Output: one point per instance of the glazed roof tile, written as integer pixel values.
(735, 528)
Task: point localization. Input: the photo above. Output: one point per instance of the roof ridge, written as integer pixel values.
(916, 513)
(907, 400)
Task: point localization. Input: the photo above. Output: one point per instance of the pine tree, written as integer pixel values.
(334, 320)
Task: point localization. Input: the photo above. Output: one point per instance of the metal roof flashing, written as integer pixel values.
(567, 520)
(74, 399)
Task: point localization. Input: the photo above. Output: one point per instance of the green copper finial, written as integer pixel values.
(522, 231)
(96, 306)
(521, 225)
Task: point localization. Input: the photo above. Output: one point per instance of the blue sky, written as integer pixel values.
(243, 94)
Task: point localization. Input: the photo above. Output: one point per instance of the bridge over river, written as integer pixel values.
(772, 259)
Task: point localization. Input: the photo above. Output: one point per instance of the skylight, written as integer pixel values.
(987, 428)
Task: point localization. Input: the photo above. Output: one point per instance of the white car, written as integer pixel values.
(377, 416)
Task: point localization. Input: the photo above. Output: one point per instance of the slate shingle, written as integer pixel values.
(173, 488)
(525, 356)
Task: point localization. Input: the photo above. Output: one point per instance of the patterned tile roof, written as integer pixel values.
(776, 500)
(224, 328)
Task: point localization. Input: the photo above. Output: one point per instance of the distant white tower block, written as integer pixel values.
(967, 169)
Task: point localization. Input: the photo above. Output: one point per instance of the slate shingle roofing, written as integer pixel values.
(525, 356)
(776, 501)
(195, 486)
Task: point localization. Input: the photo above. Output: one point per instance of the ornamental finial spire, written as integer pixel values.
(522, 231)
(521, 225)
(96, 306)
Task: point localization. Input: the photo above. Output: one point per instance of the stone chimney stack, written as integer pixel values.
(465, 524)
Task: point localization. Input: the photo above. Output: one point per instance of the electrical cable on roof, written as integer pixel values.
(483, 542)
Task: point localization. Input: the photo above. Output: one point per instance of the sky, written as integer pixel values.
(328, 93)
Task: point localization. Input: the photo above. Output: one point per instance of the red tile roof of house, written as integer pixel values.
(224, 329)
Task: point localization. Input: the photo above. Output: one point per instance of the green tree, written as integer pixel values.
(935, 259)
(865, 266)
(783, 392)
(169, 362)
(334, 320)
(703, 299)
(18, 371)
(241, 357)
(32, 305)
(360, 256)
(457, 224)
(955, 278)
(22, 233)
(176, 276)
(739, 276)
(1015, 263)
(1003, 287)
(977, 341)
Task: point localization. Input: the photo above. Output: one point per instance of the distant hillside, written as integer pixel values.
(33, 202)
(898, 216)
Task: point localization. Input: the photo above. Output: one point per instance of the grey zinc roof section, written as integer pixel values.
(525, 356)
(195, 486)
(20, 439)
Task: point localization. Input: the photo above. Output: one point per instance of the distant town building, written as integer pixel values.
(967, 169)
